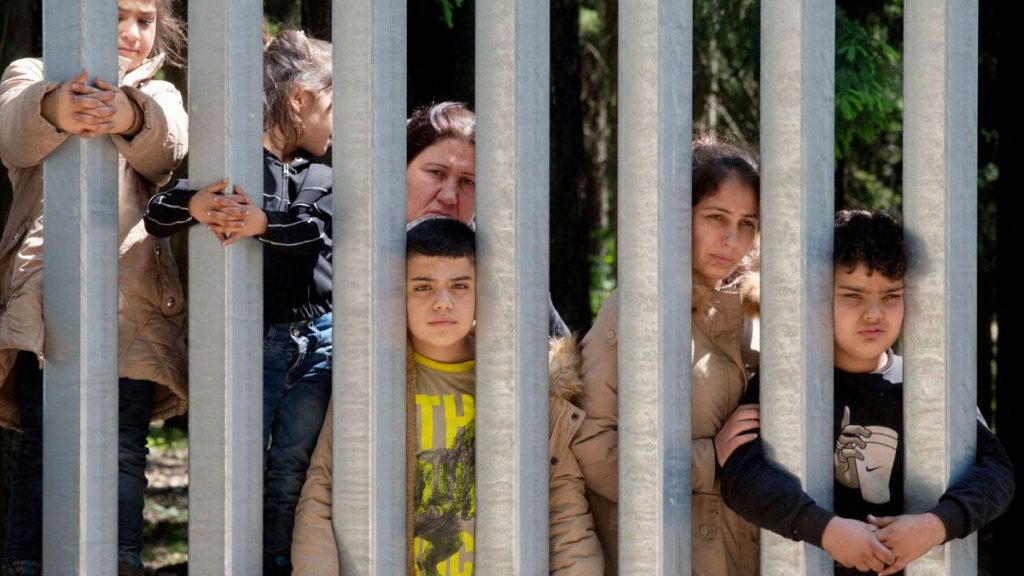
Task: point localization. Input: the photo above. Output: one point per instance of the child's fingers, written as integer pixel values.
(101, 112)
(239, 198)
(87, 102)
(882, 521)
(104, 84)
(89, 119)
(882, 553)
(242, 194)
(225, 218)
(215, 187)
(231, 240)
(225, 227)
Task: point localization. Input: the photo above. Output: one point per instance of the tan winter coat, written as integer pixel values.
(574, 551)
(151, 319)
(722, 542)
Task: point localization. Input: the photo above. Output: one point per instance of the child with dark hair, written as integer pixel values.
(869, 530)
(441, 385)
(294, 227)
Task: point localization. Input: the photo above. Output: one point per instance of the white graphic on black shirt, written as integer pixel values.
(864, 458)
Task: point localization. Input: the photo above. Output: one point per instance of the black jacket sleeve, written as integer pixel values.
(765, 495)
(167, 212)
(306, 227)
(982, 493)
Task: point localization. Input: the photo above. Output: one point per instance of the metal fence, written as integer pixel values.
(655, 45)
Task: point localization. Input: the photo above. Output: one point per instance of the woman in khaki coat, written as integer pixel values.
(145, 120)
(725, 229)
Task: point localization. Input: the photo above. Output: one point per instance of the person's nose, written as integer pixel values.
(873, 312)
(730, 236)
(443, 302)
(128, 31)
(448, 195)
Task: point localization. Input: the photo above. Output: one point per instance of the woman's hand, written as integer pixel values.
(736, 431)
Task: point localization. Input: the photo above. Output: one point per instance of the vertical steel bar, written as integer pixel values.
(655, 122)
(369, 505)
(80, 310)
(797, 132)
(940, 197)
(512, 88)
(226, 318)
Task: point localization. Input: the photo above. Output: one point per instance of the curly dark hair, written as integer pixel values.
(430, 124)
(874, 239)
(716, 160)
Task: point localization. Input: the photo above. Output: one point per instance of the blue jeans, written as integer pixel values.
(296, 390)
(25, 513)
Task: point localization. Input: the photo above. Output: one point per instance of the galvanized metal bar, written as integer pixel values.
(80, 310)
(940, 197)
(369, 504)
(655, 122)
(797, 134)
(512, 90)
(226, 317)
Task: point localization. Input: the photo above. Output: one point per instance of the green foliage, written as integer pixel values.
(166, 438)
(868, 82)
(602, 268)
(448, 10)
(726, 68)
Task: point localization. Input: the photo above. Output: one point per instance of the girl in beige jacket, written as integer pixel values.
(146, 122)
(725, 229)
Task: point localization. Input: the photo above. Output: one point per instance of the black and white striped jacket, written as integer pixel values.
(296, 245)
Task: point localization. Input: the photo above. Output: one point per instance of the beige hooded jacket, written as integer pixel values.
(722, 542)
(151, 306)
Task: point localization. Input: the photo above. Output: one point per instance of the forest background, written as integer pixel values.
(726, 65)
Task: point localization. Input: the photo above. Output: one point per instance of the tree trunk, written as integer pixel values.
(316, 18)
(1010, 312)
(441, 60)
(569, 267)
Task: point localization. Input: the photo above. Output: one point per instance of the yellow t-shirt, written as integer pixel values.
(444, 507)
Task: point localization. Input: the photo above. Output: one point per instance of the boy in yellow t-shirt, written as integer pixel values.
(441, 380)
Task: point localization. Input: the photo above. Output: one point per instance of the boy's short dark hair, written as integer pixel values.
(441, 237)
(874, 239)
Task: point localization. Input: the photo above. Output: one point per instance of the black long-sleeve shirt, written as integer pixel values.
(296, 245)
(868, 411)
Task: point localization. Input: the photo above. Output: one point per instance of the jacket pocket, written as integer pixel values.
(171, 297)
(705, 516)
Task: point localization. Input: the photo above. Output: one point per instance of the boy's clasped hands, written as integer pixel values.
(883, 545)
(230, 217)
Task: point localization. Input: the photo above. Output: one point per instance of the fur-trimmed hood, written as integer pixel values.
(564, 368)
(747, 285)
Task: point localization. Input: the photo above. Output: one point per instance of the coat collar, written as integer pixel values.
(144, 72)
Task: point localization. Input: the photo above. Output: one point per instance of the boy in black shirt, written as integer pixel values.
(870, 262)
